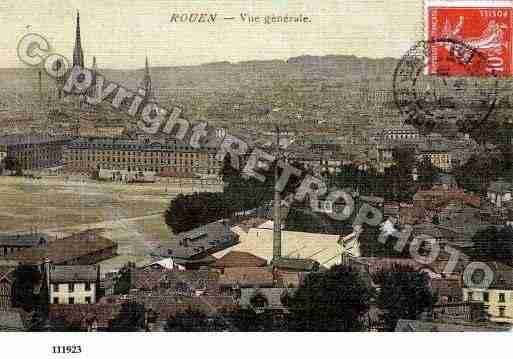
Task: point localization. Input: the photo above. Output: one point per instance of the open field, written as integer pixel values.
(130, 214)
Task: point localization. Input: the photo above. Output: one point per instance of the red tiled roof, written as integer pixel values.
(440, 197)
(239, 259)
(250, 276)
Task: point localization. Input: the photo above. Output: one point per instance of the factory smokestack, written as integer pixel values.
(277, 204)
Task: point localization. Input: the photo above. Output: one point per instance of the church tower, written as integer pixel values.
(145, 85)
(78, 55)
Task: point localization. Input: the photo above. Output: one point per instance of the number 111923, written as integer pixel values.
(66, 349)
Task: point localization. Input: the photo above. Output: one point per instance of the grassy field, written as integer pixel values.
(130, 214)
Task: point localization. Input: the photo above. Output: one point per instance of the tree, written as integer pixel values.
(25, 279)
(404, 294)
(124, 281)
(371, 247)
(193, 320)
(479, 171)
(492, 244)
(131, 318)
(13, 165)
(248, 320)
(330, 301)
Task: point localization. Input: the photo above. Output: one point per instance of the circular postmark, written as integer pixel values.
(445, 86)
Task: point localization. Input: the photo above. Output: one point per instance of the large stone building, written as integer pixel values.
(170, 159)
(498, 298)
(33, 152)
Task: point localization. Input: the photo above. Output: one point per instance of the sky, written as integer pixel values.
(121, 33)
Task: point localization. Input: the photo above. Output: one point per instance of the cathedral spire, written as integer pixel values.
(78, 55)
(145, 84)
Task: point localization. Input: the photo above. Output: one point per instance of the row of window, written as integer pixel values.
(71, 300)
(486, 297)
(138, 154)
(71, 287)
(133, 160)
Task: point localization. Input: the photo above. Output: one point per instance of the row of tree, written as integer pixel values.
(241, 193)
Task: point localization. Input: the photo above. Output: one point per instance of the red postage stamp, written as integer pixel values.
(479, 32)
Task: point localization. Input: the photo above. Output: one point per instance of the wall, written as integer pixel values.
(493, 304)
(79, 293)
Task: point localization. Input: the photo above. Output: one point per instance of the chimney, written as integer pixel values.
(47, 274)
(277, 204)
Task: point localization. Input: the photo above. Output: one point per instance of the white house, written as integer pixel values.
(75, 284)
(500, 192)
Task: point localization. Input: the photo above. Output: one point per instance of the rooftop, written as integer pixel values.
(323, 248)
(63, 250)
(109, 143)
(11, 140)
(247, 277)
(76, 273)
(200, 242)
(23, 240)
(239, 259)
(296, 264)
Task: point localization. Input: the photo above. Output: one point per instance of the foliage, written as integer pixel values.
(476, 175)
(25, 280)
(131, 318)
(247, 320)
(196, 321)
(240, 194)
(492, 244)
(371, 247)
(13, 165)
(333, 300)
(124, 281)
(404, 294)
(396, 184)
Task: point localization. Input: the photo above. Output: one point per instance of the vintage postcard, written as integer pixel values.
(255, 166)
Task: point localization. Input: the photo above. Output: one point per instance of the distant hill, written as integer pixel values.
(334, 89)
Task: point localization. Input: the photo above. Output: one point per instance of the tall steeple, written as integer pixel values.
(145, 84)
(78, 55)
